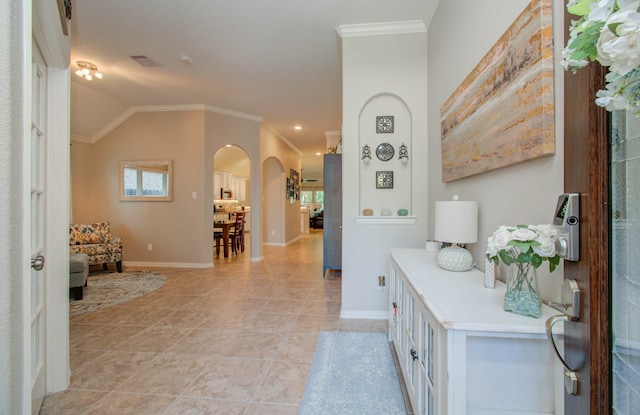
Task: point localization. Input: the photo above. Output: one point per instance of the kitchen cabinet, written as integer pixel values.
(229, 182)
(459, 352)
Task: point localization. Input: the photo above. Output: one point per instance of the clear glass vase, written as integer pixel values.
(522, 290)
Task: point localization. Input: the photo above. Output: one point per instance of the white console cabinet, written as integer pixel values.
(460, 353)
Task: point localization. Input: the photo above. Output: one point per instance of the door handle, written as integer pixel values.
(37, 263)
(570, 307)
(571, 379)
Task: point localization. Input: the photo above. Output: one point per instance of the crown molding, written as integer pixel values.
(161, 108)
(80, 139)
(378, 29)
(232, 113)
(282, 138)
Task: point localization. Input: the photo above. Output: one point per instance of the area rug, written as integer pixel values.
(352, 373)
(108, 289)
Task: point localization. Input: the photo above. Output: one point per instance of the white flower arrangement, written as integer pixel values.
(522, 244)
(608, 31)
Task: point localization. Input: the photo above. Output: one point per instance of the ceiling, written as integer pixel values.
(277, 60)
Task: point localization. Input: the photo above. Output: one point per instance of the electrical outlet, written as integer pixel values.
(149, 247)
(381, 281)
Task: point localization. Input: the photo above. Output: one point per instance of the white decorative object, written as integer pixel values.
(386, 212)
(456, 222)
(489, 274)
(432, 246)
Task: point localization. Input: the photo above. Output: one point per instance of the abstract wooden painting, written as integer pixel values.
(503, 112)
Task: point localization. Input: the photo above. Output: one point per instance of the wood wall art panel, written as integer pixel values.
(503, 112)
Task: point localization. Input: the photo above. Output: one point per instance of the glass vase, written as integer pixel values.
(522, 290)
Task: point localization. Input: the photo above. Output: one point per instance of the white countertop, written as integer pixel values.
(459, 300)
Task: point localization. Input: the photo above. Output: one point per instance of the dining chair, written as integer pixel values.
(236, 233)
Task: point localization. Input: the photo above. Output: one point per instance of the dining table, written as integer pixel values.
(224, 225)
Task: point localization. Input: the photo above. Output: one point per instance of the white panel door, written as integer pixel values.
(35, 171)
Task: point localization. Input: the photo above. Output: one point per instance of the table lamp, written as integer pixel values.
(456, 222)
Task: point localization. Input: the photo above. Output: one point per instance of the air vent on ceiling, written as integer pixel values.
(144, 61)
(309, 180)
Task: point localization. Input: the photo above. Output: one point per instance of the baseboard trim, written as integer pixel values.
(257, 259)
(168, 264)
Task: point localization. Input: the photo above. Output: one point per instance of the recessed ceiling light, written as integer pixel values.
(228, 145)
(318, 154)
(297, 127)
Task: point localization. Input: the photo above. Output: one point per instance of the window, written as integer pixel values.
(319, 196)
(306, 197)
(145, 180)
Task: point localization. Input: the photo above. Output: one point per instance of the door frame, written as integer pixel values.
(42, 24)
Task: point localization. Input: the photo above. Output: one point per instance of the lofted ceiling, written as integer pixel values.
(276, 60)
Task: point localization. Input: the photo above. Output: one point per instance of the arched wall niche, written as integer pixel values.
(384, 125)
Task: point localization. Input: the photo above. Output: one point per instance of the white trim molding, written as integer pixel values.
(377, 29)
(160, 108)
(282, 138)
(168, 264)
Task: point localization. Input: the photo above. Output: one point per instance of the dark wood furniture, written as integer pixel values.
(231, 234)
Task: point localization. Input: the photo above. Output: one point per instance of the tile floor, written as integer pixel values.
(235, 339)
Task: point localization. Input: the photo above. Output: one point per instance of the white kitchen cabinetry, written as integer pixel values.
(236, 184)
(459, 352)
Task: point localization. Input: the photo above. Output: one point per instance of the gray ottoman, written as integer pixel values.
(78, 272)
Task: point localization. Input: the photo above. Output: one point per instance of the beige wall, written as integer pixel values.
(180, 230)
(173, 228)
(273, 146)
(244, 133)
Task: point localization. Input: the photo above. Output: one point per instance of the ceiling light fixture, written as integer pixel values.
(87, 70)
(297, 127)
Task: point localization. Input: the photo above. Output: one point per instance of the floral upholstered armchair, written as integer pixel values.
(97, 242)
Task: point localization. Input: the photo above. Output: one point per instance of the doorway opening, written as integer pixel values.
(232, 185)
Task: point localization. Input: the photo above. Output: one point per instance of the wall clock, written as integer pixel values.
(385, 151)
(384, 124)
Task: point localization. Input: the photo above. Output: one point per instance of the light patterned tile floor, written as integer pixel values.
(235, 339)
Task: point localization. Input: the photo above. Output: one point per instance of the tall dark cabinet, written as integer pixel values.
(332, 247)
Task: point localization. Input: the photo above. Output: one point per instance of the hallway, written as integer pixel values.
(235, 339)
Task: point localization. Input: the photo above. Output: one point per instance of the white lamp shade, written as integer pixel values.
(456, 222)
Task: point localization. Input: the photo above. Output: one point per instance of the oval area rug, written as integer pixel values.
(108, 289)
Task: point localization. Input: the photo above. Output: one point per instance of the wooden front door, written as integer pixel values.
(586, 172)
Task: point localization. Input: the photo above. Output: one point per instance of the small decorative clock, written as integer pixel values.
(384, 124)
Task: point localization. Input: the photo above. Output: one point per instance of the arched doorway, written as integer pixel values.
(232, 183)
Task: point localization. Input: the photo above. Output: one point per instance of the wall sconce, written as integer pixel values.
(366, 153)
(403, 153)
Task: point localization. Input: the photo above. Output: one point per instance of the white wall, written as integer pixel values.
(423, 71)
(459, 37)
(12, 48)
(391, 66)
